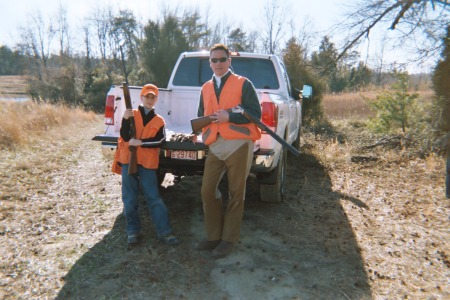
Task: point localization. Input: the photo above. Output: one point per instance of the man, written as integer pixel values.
(230, 138)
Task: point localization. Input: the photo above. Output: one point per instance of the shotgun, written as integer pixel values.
(198, 123)
(132, 166)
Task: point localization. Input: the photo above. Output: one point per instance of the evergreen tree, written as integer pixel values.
(193, 30)
(11, 63)
(160, 48)
(394, 109)
(237, 40)
(300, 74)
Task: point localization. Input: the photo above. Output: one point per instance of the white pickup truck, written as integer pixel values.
(178, 104)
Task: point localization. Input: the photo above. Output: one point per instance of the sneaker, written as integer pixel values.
(170, 240)
(223, 250)
(206, 245)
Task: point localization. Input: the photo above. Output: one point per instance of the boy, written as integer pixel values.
(150, 134)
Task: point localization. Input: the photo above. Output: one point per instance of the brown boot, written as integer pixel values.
(206, 245)
(223, 249)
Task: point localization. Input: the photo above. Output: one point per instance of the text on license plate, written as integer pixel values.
(179, 154)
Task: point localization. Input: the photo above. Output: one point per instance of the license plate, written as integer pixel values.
(179, 154)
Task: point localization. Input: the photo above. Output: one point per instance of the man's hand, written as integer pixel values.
(222, 116)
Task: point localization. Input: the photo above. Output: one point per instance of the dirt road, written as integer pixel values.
(374, 230)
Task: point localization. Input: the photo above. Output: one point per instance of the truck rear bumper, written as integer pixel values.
(106, 139)
(108, 142)
(264, 160)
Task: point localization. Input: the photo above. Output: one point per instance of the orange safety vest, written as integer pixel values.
(146, 157)
(229, 97)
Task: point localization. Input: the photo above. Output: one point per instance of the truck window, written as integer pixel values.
(195, 71)
(192, 71)
(261, 72)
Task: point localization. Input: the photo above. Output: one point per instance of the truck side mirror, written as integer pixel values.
(306, 92)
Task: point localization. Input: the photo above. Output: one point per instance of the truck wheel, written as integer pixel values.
(275, 192)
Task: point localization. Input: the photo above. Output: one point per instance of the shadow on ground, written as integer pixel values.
(302, 248)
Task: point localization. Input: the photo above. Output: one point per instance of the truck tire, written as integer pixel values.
(275, 192)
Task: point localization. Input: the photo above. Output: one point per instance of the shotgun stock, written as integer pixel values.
(198, 123)
(132, 166)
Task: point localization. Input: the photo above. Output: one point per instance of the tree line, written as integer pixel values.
(117, 47)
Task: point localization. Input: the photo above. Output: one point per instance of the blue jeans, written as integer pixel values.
(130, 191)
(447, 180)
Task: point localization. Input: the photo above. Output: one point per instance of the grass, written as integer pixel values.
(31, 143)
(13, 86)
(354, 106)
(28, 120)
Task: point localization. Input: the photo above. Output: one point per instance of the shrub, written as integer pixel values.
(394, 109)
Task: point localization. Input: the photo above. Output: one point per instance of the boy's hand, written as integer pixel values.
(128, 113)
(135, 142)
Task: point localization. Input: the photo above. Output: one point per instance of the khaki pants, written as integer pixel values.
(226, 225)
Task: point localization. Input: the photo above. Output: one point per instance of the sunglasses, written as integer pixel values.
(215, 60)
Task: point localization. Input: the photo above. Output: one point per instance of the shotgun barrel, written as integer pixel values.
(264, 127)
(132, 166)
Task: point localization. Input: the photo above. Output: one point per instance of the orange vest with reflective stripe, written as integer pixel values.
(146, 157)
(230, 97)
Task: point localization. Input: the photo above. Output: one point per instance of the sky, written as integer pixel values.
(320, 15)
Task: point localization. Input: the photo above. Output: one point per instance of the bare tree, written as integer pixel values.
(36, 37)
(302, 36)
(87, 44)
(380, 62)
(62, 30)
(275, 22)
(35, 42)
(219, 31)
(419, 24)
(124, 32)
(101, 21)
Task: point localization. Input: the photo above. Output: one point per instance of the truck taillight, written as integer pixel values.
(269, 114)
(109, 110)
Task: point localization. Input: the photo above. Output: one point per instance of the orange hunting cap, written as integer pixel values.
(149, 89)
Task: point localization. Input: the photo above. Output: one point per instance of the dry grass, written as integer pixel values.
(26, 120)
(13, 86)
(353, 105)
(345, 105)
(41, 202)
